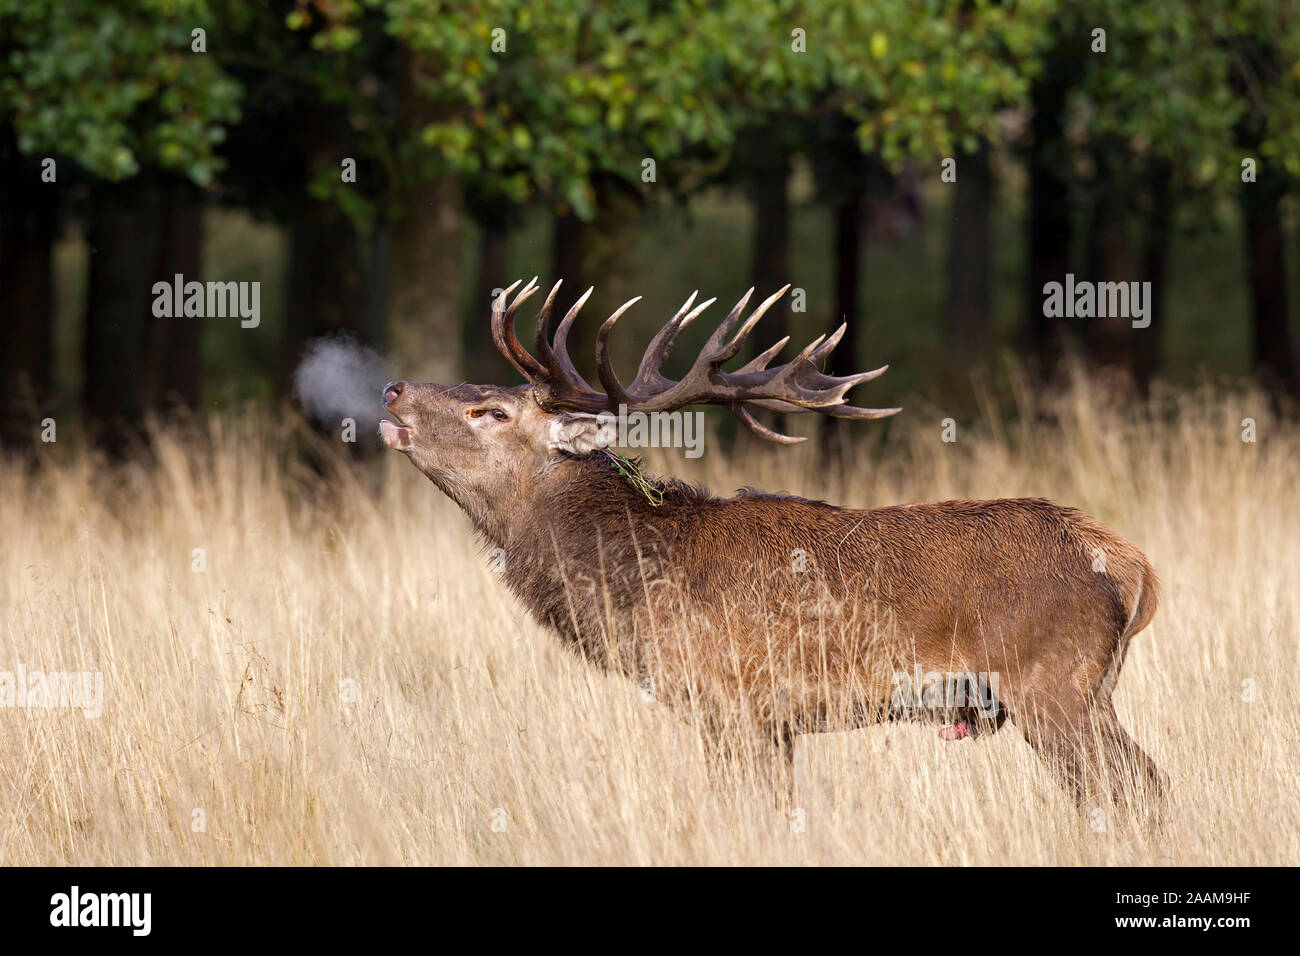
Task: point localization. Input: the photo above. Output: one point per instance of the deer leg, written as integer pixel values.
(1137, 783)
(766, 756)
(1052, 729)
(783, 785)
(1091, 752)
(1062, 752)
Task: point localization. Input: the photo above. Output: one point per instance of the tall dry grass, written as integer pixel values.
(348, 683)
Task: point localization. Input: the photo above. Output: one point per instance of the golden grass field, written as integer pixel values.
(474, 738)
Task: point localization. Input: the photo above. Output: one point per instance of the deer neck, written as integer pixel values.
(588, 509)
(583, 538)
(567, 493)
(575, 493)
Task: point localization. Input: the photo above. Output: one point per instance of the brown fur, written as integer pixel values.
(765, 616)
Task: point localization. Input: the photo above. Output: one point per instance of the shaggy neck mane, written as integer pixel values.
(585, 487)
(600, 470)
(575, 491)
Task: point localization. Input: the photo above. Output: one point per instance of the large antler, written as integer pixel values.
(797, 386)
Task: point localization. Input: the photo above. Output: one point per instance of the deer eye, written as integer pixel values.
(497, 413)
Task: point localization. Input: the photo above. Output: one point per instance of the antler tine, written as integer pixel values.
(831, 400)
(735, 344)
(831, 411)
(618, 395)
(787, 374)
(656, 353)
(761, 430)
(759, 362)
(808, 377)
(500, 301)
(828, 346)
(565, 386)
(714, 351)
(793, 368)
(861, 414)
(694, 314)
(541, 333)
(503, 333)
(560, 352)
(664, 390)
(831, 389)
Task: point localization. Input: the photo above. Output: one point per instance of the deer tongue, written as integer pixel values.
(395, 436)
(956, 732)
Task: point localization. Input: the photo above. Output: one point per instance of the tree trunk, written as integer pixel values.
(424, 275)
(1109, 258)
(848, 261)
(608, 250)
(770, 260)
(327, 289)
(173, 377)
(424, 281)
(1259, 62)
(968, 308)
(375, 327)
(600, 254)
(124, 235)
(327, 284)
(1155, 266)
(482, 361)
(141, 232)
(1048, 235)
(27, 231)
(1273, 354)
(566, 257)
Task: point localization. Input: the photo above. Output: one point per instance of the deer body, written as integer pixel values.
(760, 616)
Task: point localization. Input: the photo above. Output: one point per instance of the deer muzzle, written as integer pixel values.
(396, 435)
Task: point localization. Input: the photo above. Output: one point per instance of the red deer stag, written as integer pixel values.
(774, 615)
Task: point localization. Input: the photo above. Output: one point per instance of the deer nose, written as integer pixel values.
(392, 391)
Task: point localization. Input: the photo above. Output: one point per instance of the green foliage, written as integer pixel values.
(1161, 86)
(579, 88)
(922, 79)
(584, 88)
(1263, 40)
(1177, 80)
(115, 86)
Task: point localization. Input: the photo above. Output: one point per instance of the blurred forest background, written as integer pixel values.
(647, 147)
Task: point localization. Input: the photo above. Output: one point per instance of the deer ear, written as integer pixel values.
(581, 433)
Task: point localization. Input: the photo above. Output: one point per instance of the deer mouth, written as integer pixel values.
(396, 435)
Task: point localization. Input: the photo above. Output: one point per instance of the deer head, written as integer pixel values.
(482, 443)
